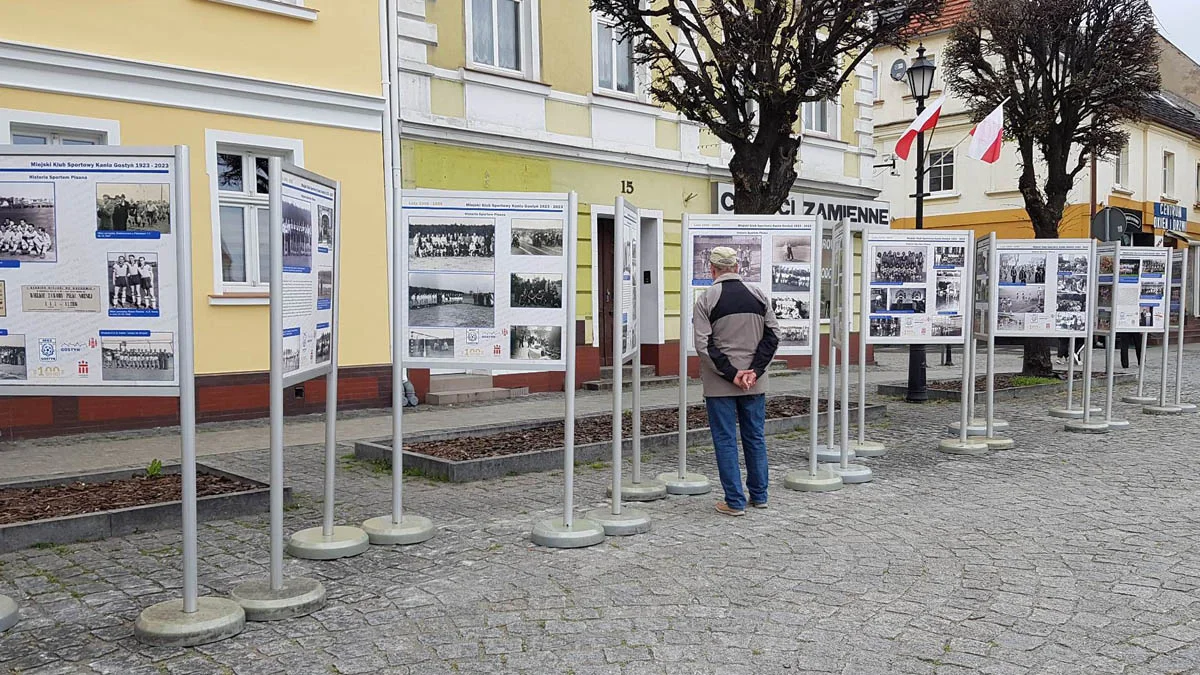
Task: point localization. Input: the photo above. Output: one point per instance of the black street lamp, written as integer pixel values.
(920, 84)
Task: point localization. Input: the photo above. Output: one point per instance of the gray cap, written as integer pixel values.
(723, 256)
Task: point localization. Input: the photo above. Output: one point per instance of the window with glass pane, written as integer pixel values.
(614, 59)
(508, 33)
(243, 183)
(229, 172)
(1168, 174)
(816, 116)
(233, 244)
(263, 216)
(496, 38)
(482, 28)
(941, 170)
(1122, 166)
(29, 139)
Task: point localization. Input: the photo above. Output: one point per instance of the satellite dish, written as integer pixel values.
(899, 70)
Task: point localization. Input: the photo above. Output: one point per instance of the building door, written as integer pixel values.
(604, 287)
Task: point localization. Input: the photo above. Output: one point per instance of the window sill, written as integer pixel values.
(505, 79)
(274, 7)
(619, 100)
(1122, 190)
(1002, 192)
(1167, 200)
(239, 299)
(943, 196)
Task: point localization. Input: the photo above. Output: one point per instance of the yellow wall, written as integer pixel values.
(567, 45)
(235, 339)
(340, 50)
(451, 49)
(445, 167)
(1006, 223)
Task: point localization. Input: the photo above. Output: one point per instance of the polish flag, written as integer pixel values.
(988, 136)
(924, 122)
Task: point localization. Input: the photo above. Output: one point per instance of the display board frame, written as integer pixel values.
(841, 291)
(874, 282)
(627, 242)
(169, 287)
(301, 190)
(762, 226)
(981, 293)
(1123, 304)
(1017, 260)
(541, 211)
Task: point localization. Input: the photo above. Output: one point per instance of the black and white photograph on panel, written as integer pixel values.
(1008, 322)
(885, 326)
(899, 265)
(431, 343)
(1022, 268)
(1072, 293)
(791, 279)
(879, 300)
(297, 235)
(1106, 264)
(948, 288)
(1176, 270)
(535, 343)
(1153, 290)
(27, 226)
(1129, 267)
(441, 300)
(1146, 316)
(906, 300)
(133, 207)
(537, 237)
(790, 307)
(324, 287)
(1104, 295)
(1075, 263)
(1071, 321)
(132, 284)
(12, 358)
(324, 344)
(790, 249)
(324, 226)
(949, 256)
(1022, 299)
(1103, 319)
(948, 326)
(794, 336)
(747, 247)
(147, 357)
(528, 289)
(291, 350)
(1153, 267)
(452, 244)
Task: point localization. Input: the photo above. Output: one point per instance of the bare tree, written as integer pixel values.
(743, 68)
(1073, 71)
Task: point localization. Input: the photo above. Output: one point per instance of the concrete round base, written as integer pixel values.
(1119, 425)
(1072, 413)
(978, 427)
(823, 480)
(9, 613)
(1161, 410)
(298, 597)
(954, 446)
(312, 544)
(1093, 427)
(553, 534)
(997, 443)
(831, 453)
(631, 521)
(645, 491)
(1186, 408)
(851, 473)
(867, 449)
(410, 530)
(167, 625)
(690, 484)
(1140, 400)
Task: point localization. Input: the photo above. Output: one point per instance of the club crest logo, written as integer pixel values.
(47, 350)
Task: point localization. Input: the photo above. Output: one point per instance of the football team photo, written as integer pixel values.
(27, 226)
(452, 244)
(440, 300)
(133, 284)
(133, 207)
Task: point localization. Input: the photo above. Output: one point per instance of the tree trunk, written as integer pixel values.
(1037, 361)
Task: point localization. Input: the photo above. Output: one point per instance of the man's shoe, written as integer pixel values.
(722, 507)
(759, 505)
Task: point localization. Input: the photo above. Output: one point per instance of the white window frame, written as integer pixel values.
(530, 48)
(1168, 174)
(1197, 196)
(946, 152)
(640, 72)
(831, 118)
(103, 131)
(1121, 168)
(231, 142)
(875, 83)
(290, 8)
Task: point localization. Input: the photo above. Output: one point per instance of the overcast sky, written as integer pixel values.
(1179, 21)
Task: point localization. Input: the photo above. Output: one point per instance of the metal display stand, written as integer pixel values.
(330, 541)
(681, 481)
(977, 425)
(964, 443)
(993, 442)
(816, 478)
(277, 597)
(568, 531)
(840, 321)
(1070, 411)
(1140, 398)
(1185, 408)
(9, 613)
(862, 447)
(1162, 406)
(830, 452)
(1088, 424)
(615, 519)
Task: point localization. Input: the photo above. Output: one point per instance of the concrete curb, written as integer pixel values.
(120, 522)
(1008, 394)
(548, 460)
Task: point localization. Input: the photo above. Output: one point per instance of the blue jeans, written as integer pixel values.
(725, 414)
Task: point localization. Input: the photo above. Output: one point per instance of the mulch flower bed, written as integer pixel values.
(1003, 381)
(22, 505)
(587, 430)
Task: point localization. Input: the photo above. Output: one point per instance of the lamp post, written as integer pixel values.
(920, 84)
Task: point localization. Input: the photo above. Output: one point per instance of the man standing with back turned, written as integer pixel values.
(735, 334)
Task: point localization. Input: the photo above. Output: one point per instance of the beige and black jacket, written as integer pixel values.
(734, 328)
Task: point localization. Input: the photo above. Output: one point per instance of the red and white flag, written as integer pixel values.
(924, 122)
(988, 137)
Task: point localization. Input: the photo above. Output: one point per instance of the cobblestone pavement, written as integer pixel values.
(1066, 554)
